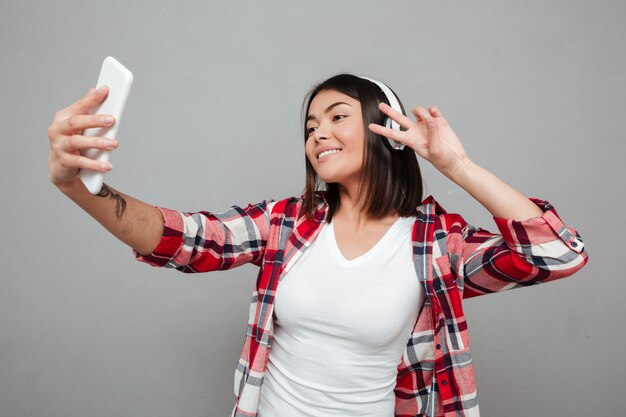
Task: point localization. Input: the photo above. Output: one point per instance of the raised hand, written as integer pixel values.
(430, 136)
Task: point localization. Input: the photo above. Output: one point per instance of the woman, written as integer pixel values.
(367, 319)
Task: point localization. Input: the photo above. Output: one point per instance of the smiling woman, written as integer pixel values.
(337, 112)
(368, 318)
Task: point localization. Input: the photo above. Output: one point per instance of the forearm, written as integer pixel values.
(495, 195)
(132, 221)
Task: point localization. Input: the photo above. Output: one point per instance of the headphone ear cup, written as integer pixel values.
(394, 103)
(391, 144)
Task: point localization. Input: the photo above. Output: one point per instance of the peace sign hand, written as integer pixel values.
(430, 136)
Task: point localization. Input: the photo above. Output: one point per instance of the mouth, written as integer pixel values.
(326, 153)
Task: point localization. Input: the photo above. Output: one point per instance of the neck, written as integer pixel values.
(351, 211)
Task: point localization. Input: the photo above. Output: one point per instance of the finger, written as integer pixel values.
(82, 162)
(417, 115)
(398, 117)
(87, 142)
(78, 123)
(88, 102)
(75, 161)
(435, 111)
(431, 126)
(420, 113)
(396, 135)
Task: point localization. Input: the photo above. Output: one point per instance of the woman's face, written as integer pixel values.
(335, 123)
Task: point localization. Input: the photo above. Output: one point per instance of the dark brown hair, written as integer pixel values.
(391, 181)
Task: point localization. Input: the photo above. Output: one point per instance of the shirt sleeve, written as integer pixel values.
(204, 241)
(528, 252)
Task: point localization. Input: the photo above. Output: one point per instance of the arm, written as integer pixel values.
(204, 241)
(534, 245)
(527, 252)
(132, 221)
(135, 223)
(502, 200)
(192, 242)
(432, 138)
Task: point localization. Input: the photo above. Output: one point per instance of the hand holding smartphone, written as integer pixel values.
(119, 80)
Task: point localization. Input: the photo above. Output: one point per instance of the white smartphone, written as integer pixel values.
(119, 80)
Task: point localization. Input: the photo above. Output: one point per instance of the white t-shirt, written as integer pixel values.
(341, 327)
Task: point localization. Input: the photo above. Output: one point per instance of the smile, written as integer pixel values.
(328, 152)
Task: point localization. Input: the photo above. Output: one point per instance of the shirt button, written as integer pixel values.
(444, 382)
(574, 244)
(438, 346)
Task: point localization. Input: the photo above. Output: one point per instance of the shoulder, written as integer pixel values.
(431, 207)
(432, 211)
(292, 205)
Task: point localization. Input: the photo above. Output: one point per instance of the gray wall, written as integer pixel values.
(535, 90)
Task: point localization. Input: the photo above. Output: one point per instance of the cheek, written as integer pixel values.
(354, 135)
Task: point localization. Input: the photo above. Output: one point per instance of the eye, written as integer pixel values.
(310, 130)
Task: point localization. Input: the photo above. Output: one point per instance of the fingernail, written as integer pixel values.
(109, 142)
(102, 88)
(106, 120)
(106, 165)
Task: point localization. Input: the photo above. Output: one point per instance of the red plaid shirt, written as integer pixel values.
(453, 261)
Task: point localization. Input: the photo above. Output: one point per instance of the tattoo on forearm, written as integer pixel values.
(120, 203)
(128, 228)
(143, 219)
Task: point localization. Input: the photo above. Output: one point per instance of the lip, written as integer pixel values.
(324, 149)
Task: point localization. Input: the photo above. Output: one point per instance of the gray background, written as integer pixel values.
(535, 90)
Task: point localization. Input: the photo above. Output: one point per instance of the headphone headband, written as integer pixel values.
(395, 104)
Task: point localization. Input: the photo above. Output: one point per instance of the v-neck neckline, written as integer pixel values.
(364, 256)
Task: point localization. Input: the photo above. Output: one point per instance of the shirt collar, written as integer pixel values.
(435, 207)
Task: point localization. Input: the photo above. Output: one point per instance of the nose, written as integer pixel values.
(320, 133)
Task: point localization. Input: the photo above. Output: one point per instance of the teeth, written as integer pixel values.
(328, 152)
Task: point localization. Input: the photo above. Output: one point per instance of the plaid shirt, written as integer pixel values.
(453, 261)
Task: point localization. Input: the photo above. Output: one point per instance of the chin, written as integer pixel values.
(327, 180)
(333, 175)
(326, 177)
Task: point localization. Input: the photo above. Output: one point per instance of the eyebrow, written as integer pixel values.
(329, 108)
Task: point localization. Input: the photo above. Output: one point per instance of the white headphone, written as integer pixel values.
(389, 122)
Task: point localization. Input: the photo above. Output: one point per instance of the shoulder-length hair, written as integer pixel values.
(390, 182)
